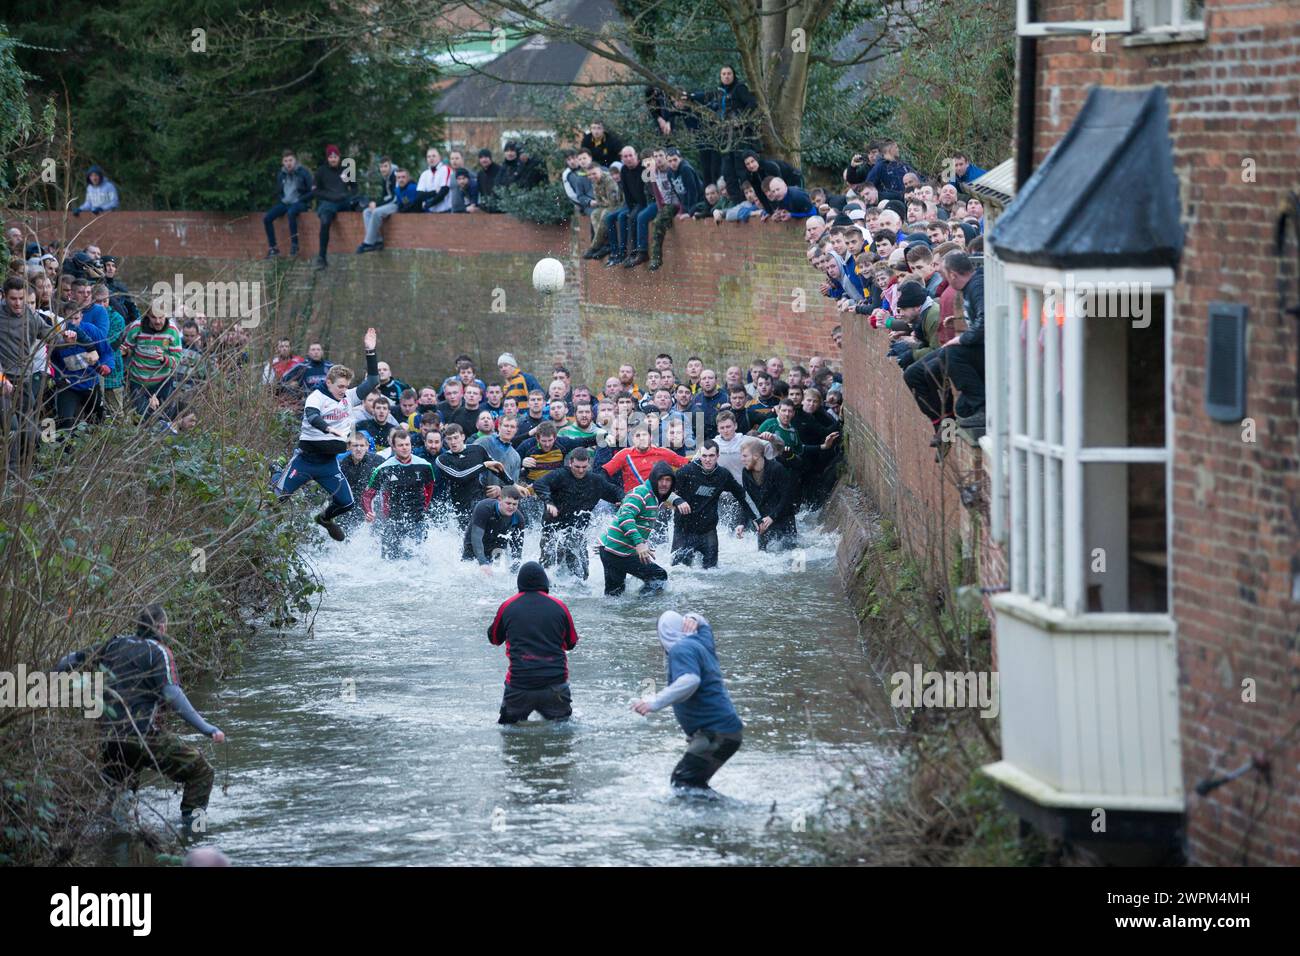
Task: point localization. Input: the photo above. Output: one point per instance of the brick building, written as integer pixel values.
(492, 101)
(1144, 440)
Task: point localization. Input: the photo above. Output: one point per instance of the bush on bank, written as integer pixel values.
(115, 518)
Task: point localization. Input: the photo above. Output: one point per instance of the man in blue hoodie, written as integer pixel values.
(293, 186)
(699, 700)
(81, 357)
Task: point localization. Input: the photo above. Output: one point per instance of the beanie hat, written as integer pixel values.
(505, 358)
(485, 152)
(910, 295)
(331, 149)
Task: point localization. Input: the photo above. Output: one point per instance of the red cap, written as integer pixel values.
(332, 149)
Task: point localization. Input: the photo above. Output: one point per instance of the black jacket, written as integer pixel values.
(634, 188)
(487, 179)
(490, 532)
(330, 186)
(537, 630)
(575, 498)
(702, 490)
(775, 497)
(608, 150)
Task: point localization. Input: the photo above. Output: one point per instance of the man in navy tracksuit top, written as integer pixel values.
(537, 631)
(699, 699)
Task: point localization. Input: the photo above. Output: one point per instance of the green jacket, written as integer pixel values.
(928, 332)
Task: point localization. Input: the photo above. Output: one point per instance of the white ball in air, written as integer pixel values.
(548, 276)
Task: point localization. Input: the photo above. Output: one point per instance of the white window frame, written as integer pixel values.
(1046, 564)
(1178, 29)
(1041, 28)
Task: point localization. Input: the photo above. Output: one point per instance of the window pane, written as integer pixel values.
(1124, 369)
(1125, 538)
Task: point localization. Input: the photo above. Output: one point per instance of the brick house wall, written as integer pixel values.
(1234, 97)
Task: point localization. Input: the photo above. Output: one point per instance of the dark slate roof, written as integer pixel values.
(1106, 196)
(538, 59)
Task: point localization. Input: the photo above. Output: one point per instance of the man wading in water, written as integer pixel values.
(538, 633)
(141, 679)
(699, 700)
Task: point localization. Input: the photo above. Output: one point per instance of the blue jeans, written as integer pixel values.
(643, 226)
(374, 220)
(618, 231)
(275, 212)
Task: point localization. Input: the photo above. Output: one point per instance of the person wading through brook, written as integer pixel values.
(140, 679)
(699, 700)
(625, 545)
(538, 633)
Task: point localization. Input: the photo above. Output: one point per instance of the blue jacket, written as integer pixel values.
(887, 175)
(303, 177)
(408, 198)
(73, 371)
(710, 707)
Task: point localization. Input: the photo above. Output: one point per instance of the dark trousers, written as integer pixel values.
(140, 395)
(565, 545)
(706, 752)
(553, 703)
(618, 567)
(733, 171)
(165, 752)
(399, 535)
(74, 405)
(711, 169)
(780, 536)
(21, 430)
(687, 543)
(275, 212)
(963, 366)
(325, 212)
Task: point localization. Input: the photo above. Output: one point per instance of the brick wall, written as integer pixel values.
(728, 292)
(1233, 97)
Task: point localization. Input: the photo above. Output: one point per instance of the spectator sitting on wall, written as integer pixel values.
(380, 208)
(511, 166)
(435, 183)
(677, 187)
(101, 194)
(488, 174)
(333, 194)
(464, 196)
(622, 225)
(603, 145)
(713, 202)
(742, 210)
(406, 193)
(756, 171)
(577, 186)
(790, 202)
(609, 197)
(293, 187)
(960, 359)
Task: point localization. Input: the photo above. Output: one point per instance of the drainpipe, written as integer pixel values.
(1026, 95)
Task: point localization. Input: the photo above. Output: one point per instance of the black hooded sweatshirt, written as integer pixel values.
(537, 631)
